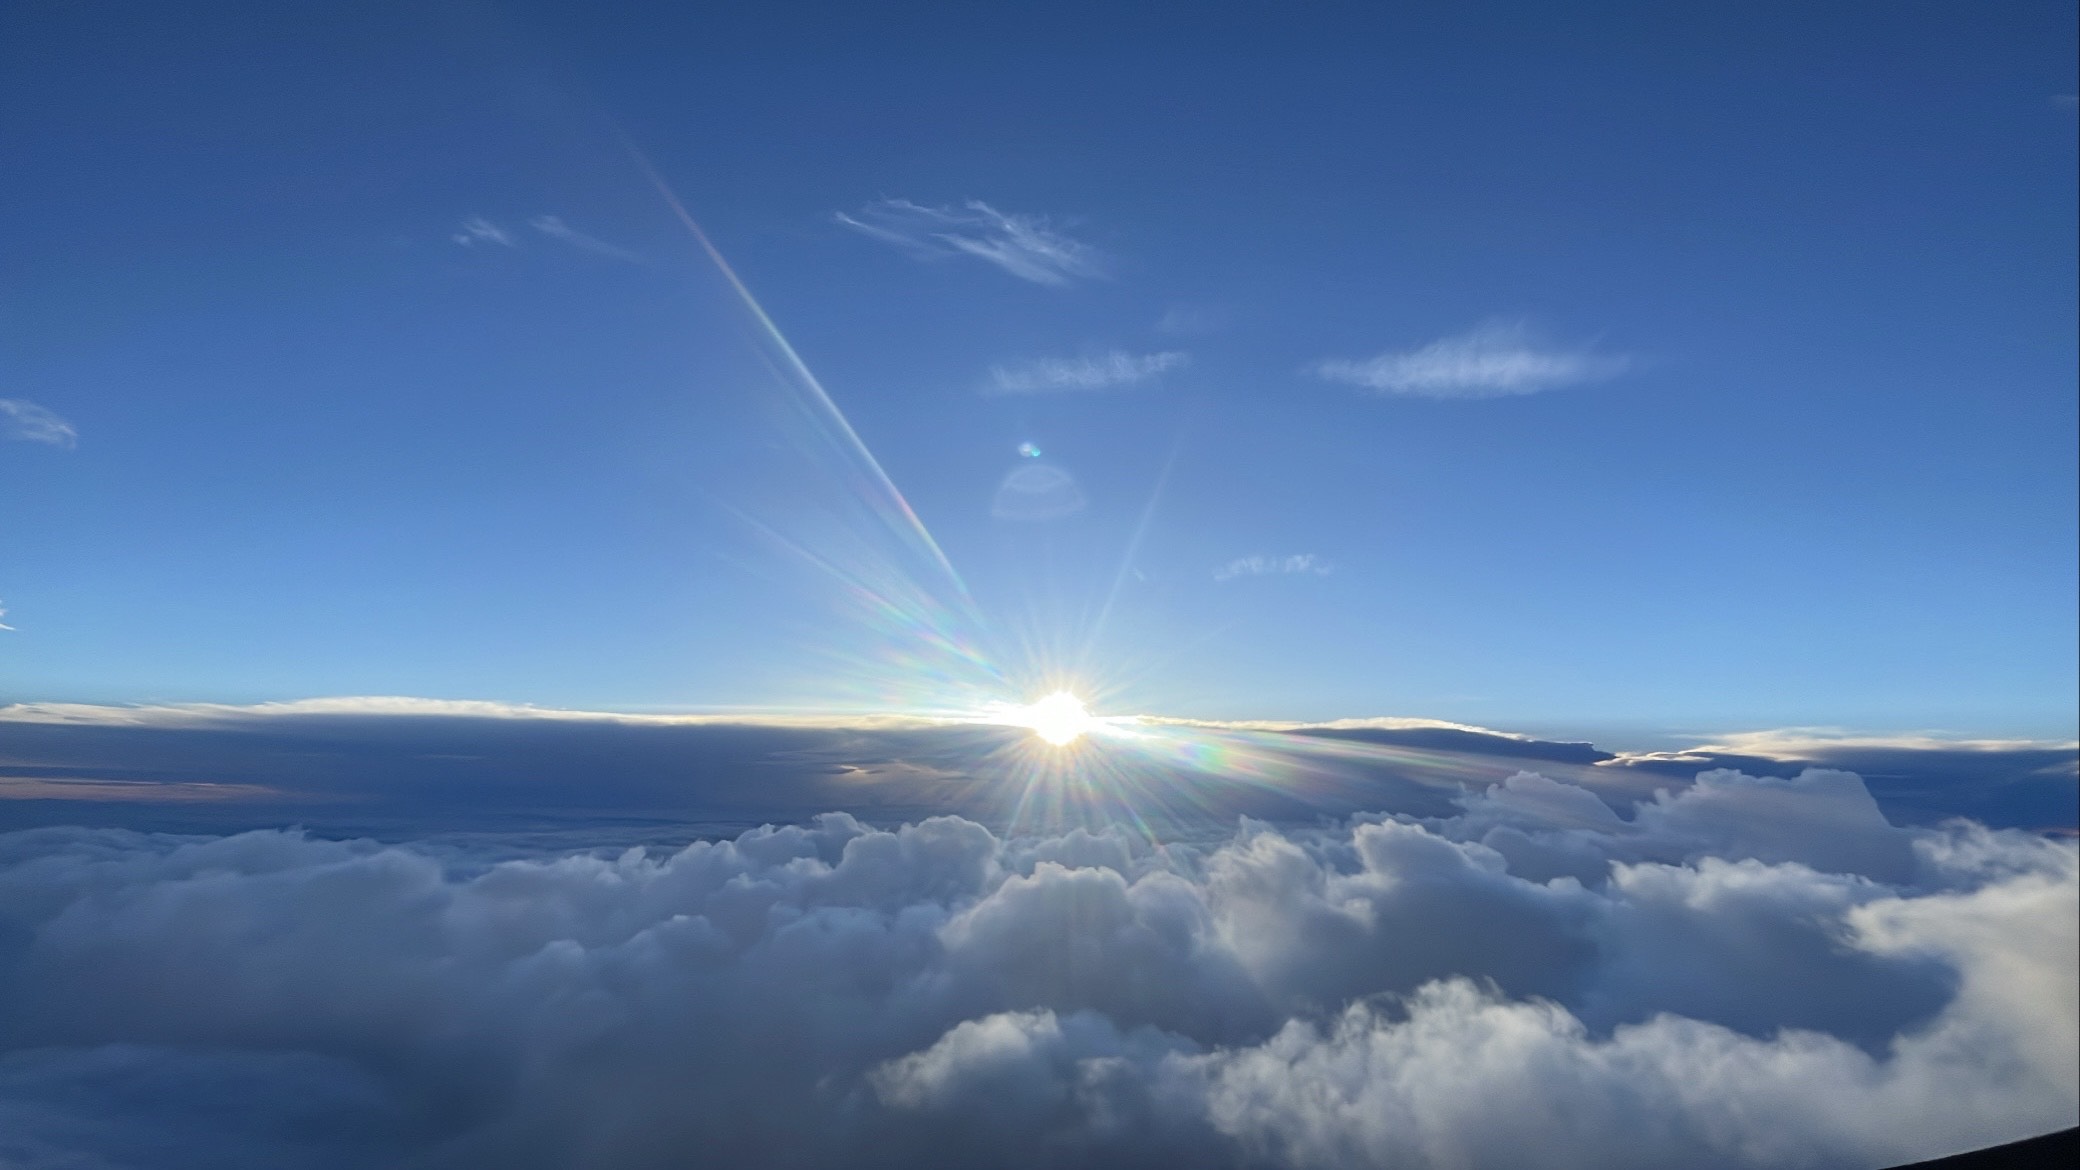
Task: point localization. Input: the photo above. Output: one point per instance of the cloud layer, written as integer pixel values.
(401, 766)
(25, 420)
(1026, 246)
(1749, 973)
(1103, 372)
(1494, 360)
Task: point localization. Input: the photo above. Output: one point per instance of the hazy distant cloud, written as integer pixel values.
(1795, 743)
(1026, 246)
(1304, 563)
(3, 613)
(554, 227)
(194, 714)
(1494, 360)
(1103, 372)
(478, 230)
(107, 791)
(1189, 321)
(419, 762)
(1712, 979)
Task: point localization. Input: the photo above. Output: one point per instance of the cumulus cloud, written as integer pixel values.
(1494, 360)
(1103, 372)
(1261, 566)
(25, 420)
(1029, 247)
(1730, 987)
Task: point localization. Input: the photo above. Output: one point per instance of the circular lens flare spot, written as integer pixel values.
(1060, 718)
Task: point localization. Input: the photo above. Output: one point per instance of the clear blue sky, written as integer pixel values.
(1612, 369)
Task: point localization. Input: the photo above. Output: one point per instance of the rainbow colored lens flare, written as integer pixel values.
(913, 643)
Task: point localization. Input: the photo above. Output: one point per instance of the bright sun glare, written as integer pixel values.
(1060, 718)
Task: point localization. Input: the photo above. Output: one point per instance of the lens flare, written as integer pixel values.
(1060, 718)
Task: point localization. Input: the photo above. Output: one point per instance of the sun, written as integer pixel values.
(1060, 718)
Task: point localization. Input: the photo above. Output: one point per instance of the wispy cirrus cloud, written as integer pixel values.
(1029, 247)
(553, 227)
(1305, 564)
(478, 230)
(1494, 360)
(25, 420)
(1102, 372)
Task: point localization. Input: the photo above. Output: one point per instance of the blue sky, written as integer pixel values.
(1632, 371)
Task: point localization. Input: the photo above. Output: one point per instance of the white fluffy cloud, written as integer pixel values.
(1494, 360)
(1746, 973)
(1029, 247)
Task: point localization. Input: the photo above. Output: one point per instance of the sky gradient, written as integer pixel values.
(1628, 372)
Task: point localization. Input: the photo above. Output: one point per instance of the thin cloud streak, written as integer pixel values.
(1495, 360)
(25, 420)
(192, 714)
(477, 230)
(107, 791)
(1797, 742)
(1026, 246)
(1307, 564)
(1103, 372)
(554, 227)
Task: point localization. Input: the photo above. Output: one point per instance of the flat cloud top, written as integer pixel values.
(360, 763)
